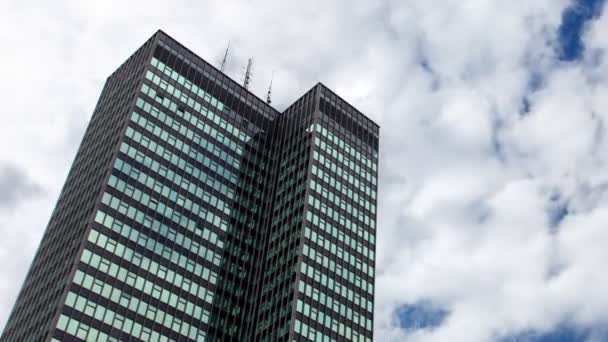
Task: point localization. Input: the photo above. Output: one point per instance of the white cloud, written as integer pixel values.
(459, 225)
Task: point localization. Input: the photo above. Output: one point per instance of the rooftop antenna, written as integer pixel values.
(268, 100)
(223, 65)
(248, 73)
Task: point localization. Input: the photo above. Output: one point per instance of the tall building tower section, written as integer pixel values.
(194, 211)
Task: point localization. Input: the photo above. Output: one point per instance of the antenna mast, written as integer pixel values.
(248, 73)
(223, 65)
(268, 100)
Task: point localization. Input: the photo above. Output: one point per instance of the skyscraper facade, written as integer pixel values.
(194, 211)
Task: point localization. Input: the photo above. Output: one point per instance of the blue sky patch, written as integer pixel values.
(420, 315)
(561, 333)
(574, 20)
(557, 211)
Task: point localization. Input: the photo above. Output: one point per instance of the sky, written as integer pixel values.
(493, 189)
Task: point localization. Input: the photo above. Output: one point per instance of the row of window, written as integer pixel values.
(345, 189)
(146, 264)
(352, 165)
(170, 213)
(294, 185)
(139, 216)
(332, 303)
(354, 152)
(189, 169)
(337, 215)
(351, 317)
(198, 142)
(334, 198)
(202, 126)
(310, 333)
(140, 283)
(162, 67)
(348, 161)
(339, 271)
(369, 147)
(338, 308)
(334, 231)
(340, 236)
(280, 226)
(147, 180)
(174, 158)
(125, 324)
(172, 198)
(84, 332)
(193, 119)
(342, 290)
(364, 266)
(197, 106)
(286, 209)
(342, 256)
(337, 170)
(361, 201)
(162, 250)
(176, 125)
(321, 318)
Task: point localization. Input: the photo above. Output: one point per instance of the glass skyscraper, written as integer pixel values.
(194, 211)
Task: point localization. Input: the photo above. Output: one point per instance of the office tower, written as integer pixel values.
(194, 211)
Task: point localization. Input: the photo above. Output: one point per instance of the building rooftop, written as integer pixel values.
(259, 101)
